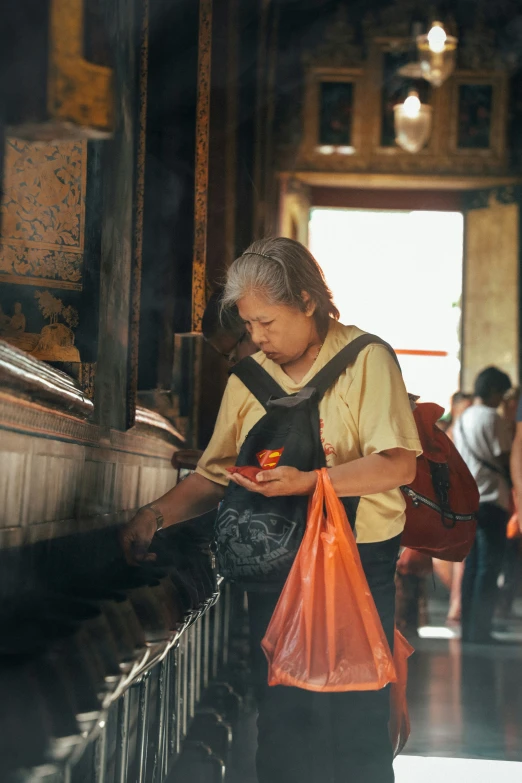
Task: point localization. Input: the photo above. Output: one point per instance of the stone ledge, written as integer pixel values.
(39, 400)
(32, 380)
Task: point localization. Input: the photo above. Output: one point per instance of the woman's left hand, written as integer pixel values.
(280, 481)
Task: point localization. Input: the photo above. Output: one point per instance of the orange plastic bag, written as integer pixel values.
(399, 724)
(325, 633)
(514, 528)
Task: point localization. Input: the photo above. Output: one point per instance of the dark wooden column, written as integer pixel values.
(122, 172)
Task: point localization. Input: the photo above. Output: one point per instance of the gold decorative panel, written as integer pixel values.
(80, 92)
(42, 214)
(367, 111)
(353, 77)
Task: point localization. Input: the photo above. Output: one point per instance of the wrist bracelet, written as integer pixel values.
(160, 521)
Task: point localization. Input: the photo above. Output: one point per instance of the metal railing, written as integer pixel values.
(122, 686)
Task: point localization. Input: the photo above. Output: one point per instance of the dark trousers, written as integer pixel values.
(481, 571)
(306, 737)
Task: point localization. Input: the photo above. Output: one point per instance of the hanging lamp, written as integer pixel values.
(412, 123)
(437, 54)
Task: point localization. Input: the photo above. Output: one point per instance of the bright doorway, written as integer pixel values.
(399, 275)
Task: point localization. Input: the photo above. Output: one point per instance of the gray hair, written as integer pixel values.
(282, 270)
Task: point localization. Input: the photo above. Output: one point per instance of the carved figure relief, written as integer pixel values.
(55, 342)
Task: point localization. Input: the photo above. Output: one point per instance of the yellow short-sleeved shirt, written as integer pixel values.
(367, 410)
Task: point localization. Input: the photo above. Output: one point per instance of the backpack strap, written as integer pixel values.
(257, 380)
(347, 356)
(263, 387)
(489, 465)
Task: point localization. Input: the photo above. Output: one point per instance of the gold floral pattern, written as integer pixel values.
(29, 263)
(42, 213)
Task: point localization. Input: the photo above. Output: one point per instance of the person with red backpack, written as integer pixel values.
(318, 394)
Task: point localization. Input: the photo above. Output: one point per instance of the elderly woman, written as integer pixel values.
(370, 443)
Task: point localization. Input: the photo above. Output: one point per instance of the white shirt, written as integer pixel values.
(482, 433)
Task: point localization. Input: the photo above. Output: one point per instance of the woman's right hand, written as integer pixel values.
(136, 536)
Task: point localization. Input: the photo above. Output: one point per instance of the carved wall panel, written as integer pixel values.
(43, 213)
(42, 247)
(50, 488)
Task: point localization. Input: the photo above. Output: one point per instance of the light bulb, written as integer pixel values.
(412, 106)
(437, 38)
(412, 120)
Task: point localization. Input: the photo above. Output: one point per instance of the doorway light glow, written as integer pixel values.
(399, 275)
(436, 632)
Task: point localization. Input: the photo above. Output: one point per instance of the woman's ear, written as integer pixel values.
(309, 306)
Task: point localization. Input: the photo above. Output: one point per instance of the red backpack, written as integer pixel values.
(442, 501)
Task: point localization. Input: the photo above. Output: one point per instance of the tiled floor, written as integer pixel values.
(465, 708)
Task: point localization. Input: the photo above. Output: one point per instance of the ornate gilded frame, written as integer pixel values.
(317, 75)
(498, 80)
(441, 155)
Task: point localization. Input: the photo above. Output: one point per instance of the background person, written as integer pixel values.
(508, 408)
(371, 442)
(484, 442)
(226, 333)
(224, 330)
(460, 401)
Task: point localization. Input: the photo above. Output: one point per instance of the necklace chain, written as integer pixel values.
(318, 352)
(315, 357)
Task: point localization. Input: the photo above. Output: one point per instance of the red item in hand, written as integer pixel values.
(269, 459)
(514, 528)
(247, 471)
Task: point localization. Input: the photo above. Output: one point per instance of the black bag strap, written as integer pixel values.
(263, 387)
(327, 376)
(257, 380)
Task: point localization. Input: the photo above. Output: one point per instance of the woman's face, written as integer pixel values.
(282, 332)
